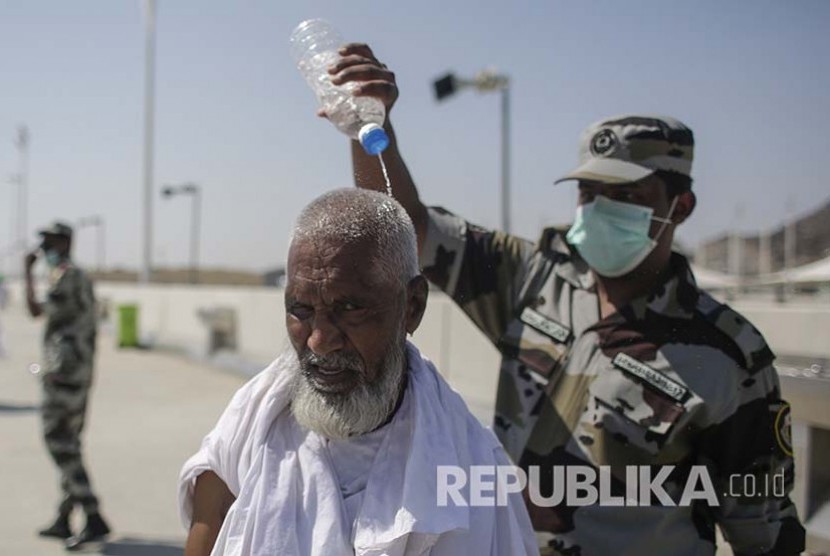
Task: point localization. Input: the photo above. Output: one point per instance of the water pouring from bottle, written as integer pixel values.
(385, 176)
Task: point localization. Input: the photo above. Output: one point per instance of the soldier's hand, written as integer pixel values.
(373, 79)
(30, 259)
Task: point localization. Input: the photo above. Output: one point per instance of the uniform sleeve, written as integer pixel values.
(482, 270)
(749, 454)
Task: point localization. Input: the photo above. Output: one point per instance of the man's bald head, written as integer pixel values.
(373, 220)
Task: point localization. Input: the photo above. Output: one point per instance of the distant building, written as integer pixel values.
(766, 251)
(274, 278)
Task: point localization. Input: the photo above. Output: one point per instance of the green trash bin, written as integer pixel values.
(128, 326)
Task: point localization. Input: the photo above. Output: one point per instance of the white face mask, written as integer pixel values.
(612, 236)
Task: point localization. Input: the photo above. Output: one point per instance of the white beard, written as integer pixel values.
(363, 409)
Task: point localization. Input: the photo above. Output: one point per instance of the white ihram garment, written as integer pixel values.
(288, 500)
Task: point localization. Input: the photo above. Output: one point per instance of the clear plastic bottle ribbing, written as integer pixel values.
(314, 46)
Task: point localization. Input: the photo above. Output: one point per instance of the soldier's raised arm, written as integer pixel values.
(480, 269)
(358, 64)
(35, 307)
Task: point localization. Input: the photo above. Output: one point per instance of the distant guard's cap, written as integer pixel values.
(632, 147)
(57, 228)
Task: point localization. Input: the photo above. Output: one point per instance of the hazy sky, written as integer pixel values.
(751, 78)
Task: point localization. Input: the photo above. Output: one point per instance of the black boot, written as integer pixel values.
(96, 529)
(59, 529)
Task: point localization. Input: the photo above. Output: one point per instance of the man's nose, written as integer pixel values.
(325, 336)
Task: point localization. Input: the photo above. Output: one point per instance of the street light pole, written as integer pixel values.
(14, 229)
(102, 234)
(149, 115)
(22, 144)
(195, 219)
(195, 192)
(487, 81)
(505, 157)
(100, 230)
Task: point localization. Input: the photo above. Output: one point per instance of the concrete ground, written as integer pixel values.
(148, 413)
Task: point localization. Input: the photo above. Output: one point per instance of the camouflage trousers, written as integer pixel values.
(63, 413)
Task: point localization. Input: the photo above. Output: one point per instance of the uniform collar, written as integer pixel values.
(676, 297)
(570, 267)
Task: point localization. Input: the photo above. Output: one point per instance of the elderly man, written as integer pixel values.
(337, 447)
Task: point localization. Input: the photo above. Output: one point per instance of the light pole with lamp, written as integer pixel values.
(15, 241)
(98, 221)
(195, 191)
(18, 220)
(487, 81)
(149, 129)
(21, 142)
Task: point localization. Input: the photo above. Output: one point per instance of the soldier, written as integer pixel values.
(613, 359)
(68, 352)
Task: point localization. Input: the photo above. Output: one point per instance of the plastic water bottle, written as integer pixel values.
(314, 47)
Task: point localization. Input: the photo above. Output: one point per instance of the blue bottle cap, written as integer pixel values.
(373, 139)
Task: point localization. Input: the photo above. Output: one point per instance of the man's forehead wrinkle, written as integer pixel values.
(328, 268)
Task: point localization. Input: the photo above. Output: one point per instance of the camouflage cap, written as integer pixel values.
(631, 147)
(57, 228)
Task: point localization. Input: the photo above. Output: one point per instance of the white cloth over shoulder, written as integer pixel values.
(288, 501)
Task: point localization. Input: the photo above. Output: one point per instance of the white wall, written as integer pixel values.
(791, 328)
(168, 316)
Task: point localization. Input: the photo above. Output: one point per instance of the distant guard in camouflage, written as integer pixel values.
(66, 371)
(613, 358)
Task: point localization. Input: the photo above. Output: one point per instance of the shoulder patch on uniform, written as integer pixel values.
(783, 428)
(545, 325)
(738, 330)
(652, 377)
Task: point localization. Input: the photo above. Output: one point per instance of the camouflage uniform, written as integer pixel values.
(674, 378)
(68, 351)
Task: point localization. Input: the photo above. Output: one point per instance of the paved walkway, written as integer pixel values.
(148, 413)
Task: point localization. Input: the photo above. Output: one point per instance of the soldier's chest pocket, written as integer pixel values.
(638, 405)
(538, 341)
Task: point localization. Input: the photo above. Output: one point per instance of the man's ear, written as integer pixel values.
(684, 208)
(417, 291)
